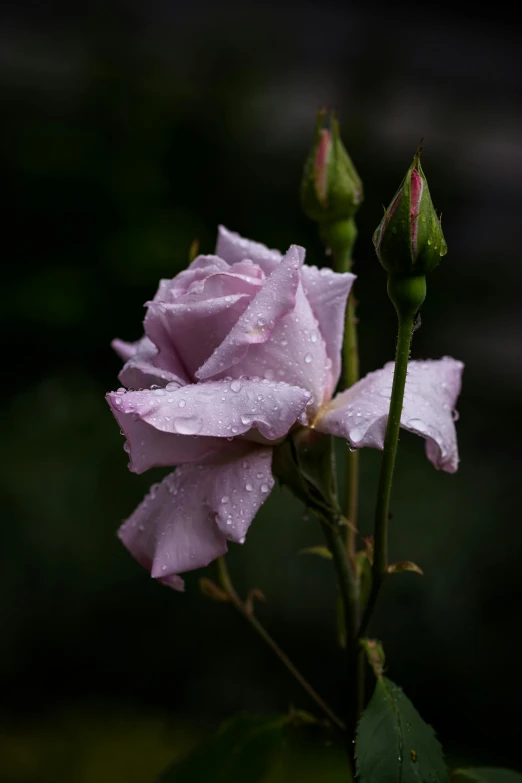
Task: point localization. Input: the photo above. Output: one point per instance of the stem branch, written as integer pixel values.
(226, 584)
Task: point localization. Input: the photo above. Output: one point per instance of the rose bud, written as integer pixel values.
(331, 190)
(409, 240)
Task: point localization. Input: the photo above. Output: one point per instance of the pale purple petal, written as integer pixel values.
(149, 447)
(184, 521)
(327, 293)
(173, 530)
(198, 321)
(127, 350)
(199, 269)
(360, 414)
(193, 329)
(141, 368)
(295, 353)
(236, 489)
(275, 299)
(139, 374)
(233, 248)
(220, 409)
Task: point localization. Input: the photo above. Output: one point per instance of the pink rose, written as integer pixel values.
(239, 348)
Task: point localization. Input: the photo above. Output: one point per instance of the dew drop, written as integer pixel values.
(249, 487)
(188, 425)
(308, 358)
(235, 386)
(264, 488)
(182, 403)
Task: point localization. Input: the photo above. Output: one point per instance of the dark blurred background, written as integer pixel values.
(128, 130)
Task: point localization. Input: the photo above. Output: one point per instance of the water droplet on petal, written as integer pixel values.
(264, 488)
(308, 358)
(225, 499)
(235, 386)
(249, 487)
(188, 425)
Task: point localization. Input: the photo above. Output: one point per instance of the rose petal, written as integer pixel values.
(127, 350)
(275, 299)
(360, 413)
(233, 248)
(221, 409)
(149, 447)
(141, 370)
(295, 353)
(184, 521)
(199, 269)
(172, 531)
(140, 374)
(236, 489)
(327, 293)
(193, 329)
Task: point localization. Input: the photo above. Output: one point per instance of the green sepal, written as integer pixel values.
(304, 461)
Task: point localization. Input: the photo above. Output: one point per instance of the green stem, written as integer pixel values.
(340, 239)
(351, 376)
(345, 577)
(226, 584)
(382, 510)
(350, 599)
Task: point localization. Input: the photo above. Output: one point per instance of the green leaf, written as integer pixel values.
(393, 743)
(485, 775)
(244, 749)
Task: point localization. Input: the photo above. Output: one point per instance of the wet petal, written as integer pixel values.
(360, 414)
(236, 489)
(199, 269)
(234, 248)
(149, 447)
(139, 373)
(295, 353)
(127, 350)
(184, 521)
(194, 328)
(172, 530)
(141, 368)
(327, 293)
(275, 299)
(220, 409)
